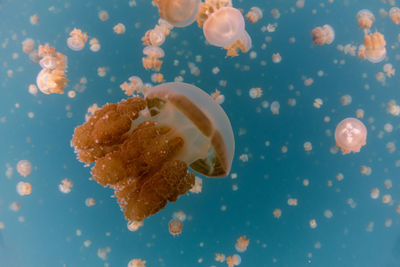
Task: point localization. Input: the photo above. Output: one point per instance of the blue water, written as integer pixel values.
(47, 237)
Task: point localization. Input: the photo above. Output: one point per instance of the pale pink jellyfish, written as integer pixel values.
(243, 44)
(154, 37)
(94, 45)
(24, 167)
(77, 40)
(119, 28)
(179, 13)
(24, 189)
(254, 15)
(350, 135)
(28, 45)
(175, 227)
(323, 35)
(103, 15)
(224, 27)
(394, 14)
(152, 59)
(233, 260)
(375, 50)
(365, 18)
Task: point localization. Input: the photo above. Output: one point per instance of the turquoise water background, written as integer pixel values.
(47, 237)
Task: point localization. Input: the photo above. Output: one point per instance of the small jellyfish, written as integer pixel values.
(365, 18)
(24, 167)
(157, 77)
(34, 19)
(323, 35)
(94, 45)
(219, 257)
(175, 227)
(103, 15)
(133, 226)
(135, 86)
(241, 244)
(179, 13)
(394, 14)
(233, 260)
(137, 263)
(24, 189)
(375, 50)
(65, 186)
(77, 40)
(350, 135)
(152, 59)
(119, 28)
(142, 147)
(224, 27)
(276, 58)
(275, 106)
(254, 15)
(154, 37)
(28, 45)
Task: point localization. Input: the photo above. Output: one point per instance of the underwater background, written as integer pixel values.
(50, 228)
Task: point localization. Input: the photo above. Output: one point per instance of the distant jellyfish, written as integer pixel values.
(94, 45)
(219, 257)
(135, 86)
(157, 77)
(276, 58)
(24, 189)
(233, 260)
(275, 106)
(77, 40)
(254, 15)
(175, 227)
(350, 135)
(119, 28)
(24, 167)
(179, 13)
(241, 244)
(28, 45)
(133, 226)
(152, 57)
(365, 18)
(142, 147)
(375, 50)
(34, 19)
(103, 15)
(394, 14)
(323, 35)
(137, 263)
(65, 186)
(224, 26)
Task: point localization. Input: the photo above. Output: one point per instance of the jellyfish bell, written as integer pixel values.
(179, 13)
(207, 132)
(244, 43)
(365, 18)
(375, 50)
(350, 135)
(224, 27)
(48, 62)
(51, 81)
(323, 35)
(394, 14)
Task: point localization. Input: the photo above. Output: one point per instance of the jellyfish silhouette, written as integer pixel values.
(142, 147)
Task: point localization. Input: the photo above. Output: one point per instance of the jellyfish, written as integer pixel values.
(152, 59)
(51, 81)
(224, 26)
(394, 14)
(219, 257)
(365, 18)
(24, 167)
(175, 227)
(154, 37)
(142, 147)
(24, 189)
(137, 263)
(179, 13)
(350, 135)
(94, 45)
(28, 45)
(134, 86)
(233, 260)
(323, 35)
(77, 40)
(243, 44)
(374, 44)
(254, 15)
(119, 28)
(241, 244)
(157, 77)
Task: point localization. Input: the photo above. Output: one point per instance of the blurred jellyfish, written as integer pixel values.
(275, 13)
(233, 260)
(24, 189)
(133, 226)
(157, 77)
(152, 59)
(137, 263)
(255, 92)
(34, 19)
(94, 45)
(374, 193)
(313, 224)
(318, 103)
(328, 214)
(292, 201)
(346, 100)
(307, 146)
(323, 35)
(51, 81)
(103, 15)
(102, 71)
(197, 187)
(277, 213)
(119, 28)
(394, 14)
(375, 50)
(65, 186)
(175, 227)
(135, 86)
(142, 147)
(360, 113)
(276, 58)
(90, 202)
(32, 89)
(241, 244)
(365, 18)
(350, 135)
(275, 106)
(24, 167)
(179, 13)
(219, 257)
(254, 15)
(389, 70)
(365, 170)
(28, 45)
(77, 40)
(179, 215)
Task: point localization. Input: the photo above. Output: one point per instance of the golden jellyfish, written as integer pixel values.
(365, 18)
(24, 189)
(323, 35)
(179, 13)
(28, 45)
(137, 263)
(394, 14)
(254, 15)
(233, 260)
(154, 37)
(24, 167)
(157, 77)
(77, 40)
(94, 45)
(175, 227)
(350, 135)
(243, 44)
(152, 59)
(52, 78)
(224, 27)
(135, 86)
(103, 15)
(375, 50)
(119, 28)
(241, 244)
(142, 147)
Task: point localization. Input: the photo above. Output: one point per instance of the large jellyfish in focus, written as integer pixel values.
(323, 35)
(142, 147)
(350, 135)
(374, 47)
(179, 13)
